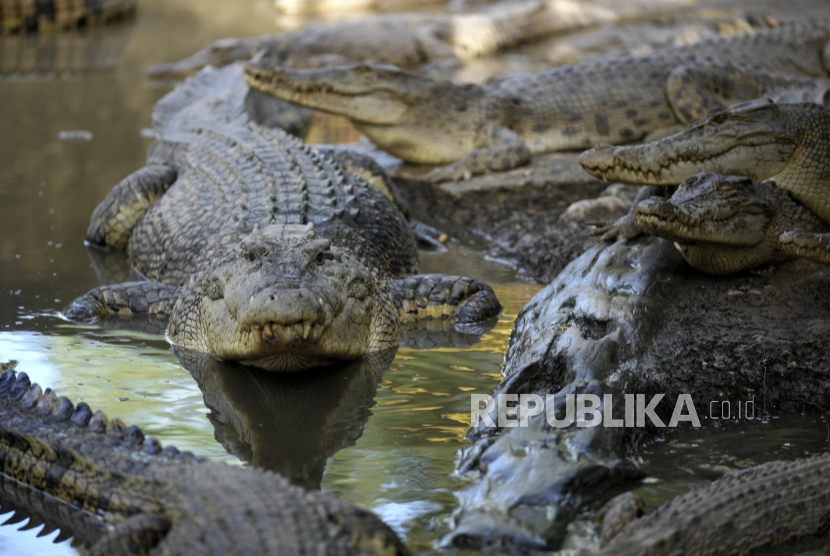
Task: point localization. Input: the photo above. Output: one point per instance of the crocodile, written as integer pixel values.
(21, 16)
(126, 494)
(784, 143)
(760, 507)
(498, 126)
(724, 224)
(407, 40)
(260, 250)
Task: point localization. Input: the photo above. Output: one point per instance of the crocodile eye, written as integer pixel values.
(322, 257)
(725, 188)
(719, 118)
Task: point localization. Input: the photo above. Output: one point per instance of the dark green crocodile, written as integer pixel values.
(126, 495)
(761, 507)
(499, 126)
(260, 250)
(724, 224)
(38, 15)
(786, 144)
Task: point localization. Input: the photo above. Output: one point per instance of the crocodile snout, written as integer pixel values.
(283, 314)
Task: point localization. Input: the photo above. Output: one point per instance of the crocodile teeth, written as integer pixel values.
(306, 330)
(268, 329)
(257, 332)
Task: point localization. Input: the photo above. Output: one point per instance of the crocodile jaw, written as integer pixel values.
(340, 90)
(671, 160)
(708, 209)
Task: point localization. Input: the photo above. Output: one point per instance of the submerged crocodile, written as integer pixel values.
(258, 249)
(724, 224)
(406, 40)
(786, 144)
(761, 507)
(618, 100)
(125, 494)
(33, 15)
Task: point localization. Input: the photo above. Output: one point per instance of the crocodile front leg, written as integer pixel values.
(115, 217)
(462, 300)
(135, 536)
(627, 226)
(497, 149)
(806, 245)
(124, 300)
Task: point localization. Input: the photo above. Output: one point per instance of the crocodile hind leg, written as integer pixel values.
(497, 149)
(806, 245)
(463, 300)
(135, 536)
(114, 218)
(124, 300)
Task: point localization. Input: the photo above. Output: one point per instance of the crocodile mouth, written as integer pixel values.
(645, 164)
(741, 226)
(316, 88)
(272, 334)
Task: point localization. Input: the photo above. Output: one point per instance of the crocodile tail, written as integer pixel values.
(28, 410)
(34, 15)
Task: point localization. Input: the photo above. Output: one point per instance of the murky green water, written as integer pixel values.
(397, 461)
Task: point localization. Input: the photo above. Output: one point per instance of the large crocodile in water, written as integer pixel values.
(258, 249)
(785, 144)
(617, 100)
(724, 224)
(125, 494)
(31, 15)
(408, 40)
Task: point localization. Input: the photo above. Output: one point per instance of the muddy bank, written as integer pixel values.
(633, 318)
(517, 215)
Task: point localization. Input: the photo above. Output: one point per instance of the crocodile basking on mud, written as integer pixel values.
(724, 224)
(125, 494)
(618, 100)
(406, 40)
(258, 249)
(761, 507)
(785, 144)
(37, 15)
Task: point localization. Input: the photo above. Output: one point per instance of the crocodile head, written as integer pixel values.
(218, 54)
(756, 139)
(369, 93)
(286, 300)
(720, 224)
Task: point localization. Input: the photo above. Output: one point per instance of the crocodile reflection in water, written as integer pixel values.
(288, 423)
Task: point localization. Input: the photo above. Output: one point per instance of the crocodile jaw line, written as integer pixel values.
(376, 106)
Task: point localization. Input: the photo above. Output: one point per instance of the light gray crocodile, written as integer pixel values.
(408, 40)
(618, 100)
